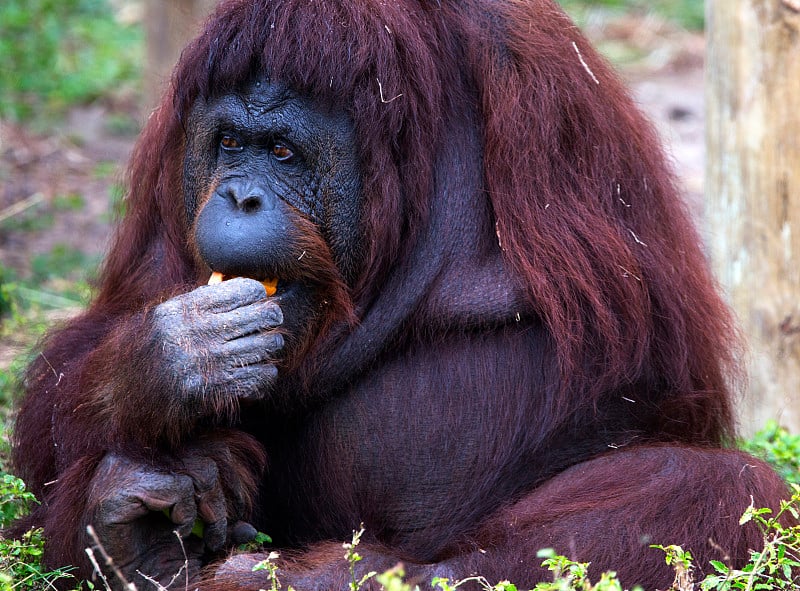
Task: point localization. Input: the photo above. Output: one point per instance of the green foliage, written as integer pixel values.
(55, 53)
(15, 500)
(20, 559)
(57, 284)
(9, 385)
(69, 202)
(64, 262)
(772, 567)
(20, 564)
(352, 557)
(680, 560)
(689, 14)
(568, 575)
(778, 447)
(33, 220)
(776, 565)
(5, 295)
(59, 281)
(116, 199)
(256, 544)
(105, 169)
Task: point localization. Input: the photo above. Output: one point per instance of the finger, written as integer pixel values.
(254, 348)
(210, 501)
(138, 491)
(254, 317)
(183, 512)
(242, 532)
(228, 295)
(212, 509)
(229, 477)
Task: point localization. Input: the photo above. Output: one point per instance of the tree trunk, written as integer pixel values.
(753, 191)
(169, 25)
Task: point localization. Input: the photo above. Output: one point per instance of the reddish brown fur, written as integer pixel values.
(615, 297)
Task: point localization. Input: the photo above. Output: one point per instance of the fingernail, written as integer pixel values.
(277, 341)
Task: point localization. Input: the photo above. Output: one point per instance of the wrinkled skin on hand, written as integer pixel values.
(233, 321)
(187, 362)
(166, 520)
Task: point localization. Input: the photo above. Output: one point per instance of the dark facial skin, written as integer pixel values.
(257, 163)
(264, 171)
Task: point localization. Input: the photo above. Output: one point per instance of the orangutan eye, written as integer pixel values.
(230, 144)
(282, 152)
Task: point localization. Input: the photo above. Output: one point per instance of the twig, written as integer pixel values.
(584, 64)
(384, 100)
(109, 562)
(20, 206)
(184, 568)
(636, 238)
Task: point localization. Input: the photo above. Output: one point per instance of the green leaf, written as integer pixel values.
(719, 567)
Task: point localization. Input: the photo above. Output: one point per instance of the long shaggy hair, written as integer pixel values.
(587, 211)
(585, 208)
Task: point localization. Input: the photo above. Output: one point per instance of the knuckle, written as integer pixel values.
(167, 311)
(206, 478)
(184, 486)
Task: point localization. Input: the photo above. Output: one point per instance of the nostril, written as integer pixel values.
(251, 204)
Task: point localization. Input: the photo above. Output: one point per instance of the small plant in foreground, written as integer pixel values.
(681, 561)
(352, 557)
(268, 565)
(20, 564)
(776, 565)
(15, 500)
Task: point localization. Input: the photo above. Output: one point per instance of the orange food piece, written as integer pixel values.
(271, 285)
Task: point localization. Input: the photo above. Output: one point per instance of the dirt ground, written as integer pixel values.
(80, 158)
(83, 157)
